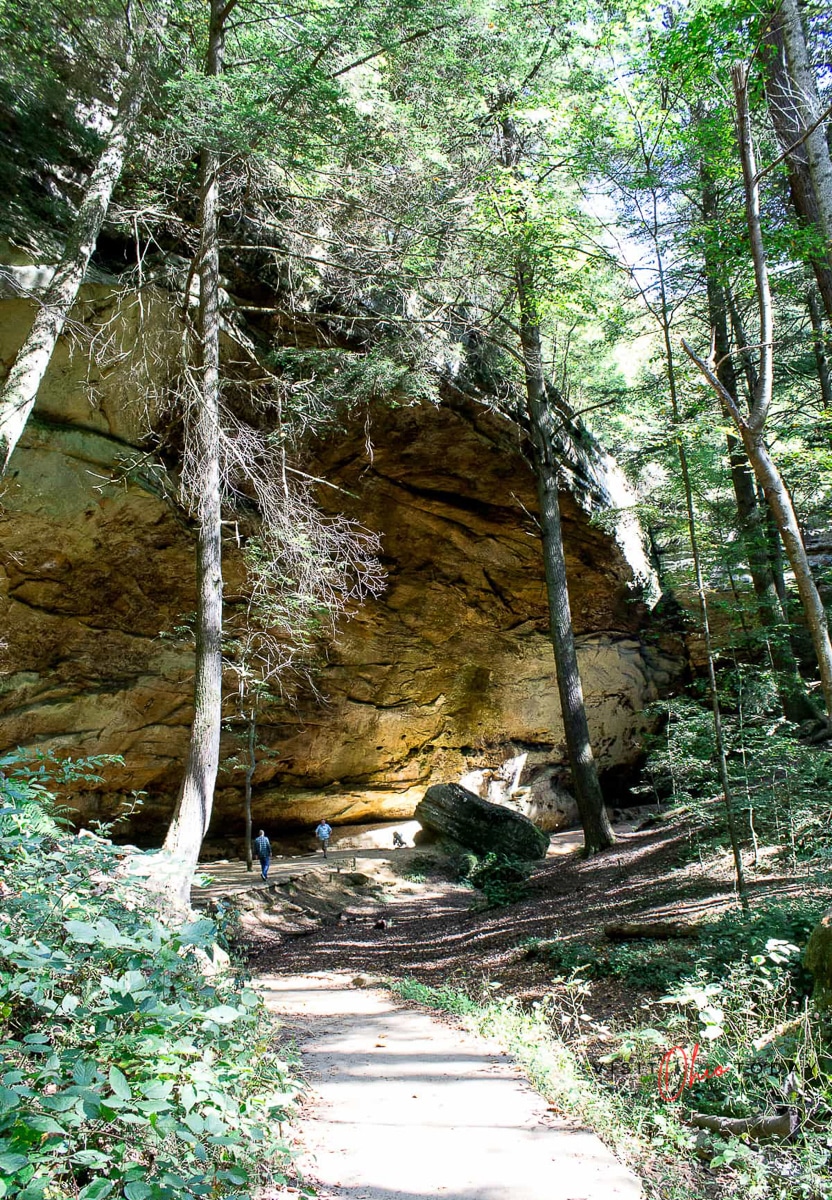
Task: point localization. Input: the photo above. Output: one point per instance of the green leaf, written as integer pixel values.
(43, 1124)
(9, 1163)
(97, 1190)
(119, 1084)
(91, 1158)
(137, 1190)
(107, 933)
(223, 1014)
(234, 1175)
(195, 1123)
(84, 1071)
(82, 931)
(131, 1118)
(61, 1102)
(198, 933)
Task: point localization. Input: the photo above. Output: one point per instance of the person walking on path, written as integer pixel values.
(323, 833)
(263, 850)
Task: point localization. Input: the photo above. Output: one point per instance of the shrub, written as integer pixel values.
(129, 1064)
(781, 786)
(501, 879)
(730, 940)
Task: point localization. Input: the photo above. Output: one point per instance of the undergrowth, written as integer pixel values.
(781, 784)
(134, 1062)
(658, 965)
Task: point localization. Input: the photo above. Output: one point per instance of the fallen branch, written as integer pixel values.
(782, 1125)
(778, 1031)
(658, 930)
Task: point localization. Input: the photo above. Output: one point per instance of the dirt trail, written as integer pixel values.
(404, 1107)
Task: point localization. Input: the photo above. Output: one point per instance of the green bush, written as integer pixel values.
(463, 864)
(782, 787)
(130, 1064)
(730, 940)
(502, 880)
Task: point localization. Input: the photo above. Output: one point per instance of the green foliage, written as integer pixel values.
(782, 787)
(501, 879)
(463, 864)
(131, 1063)
(446, 998)
(731, 940)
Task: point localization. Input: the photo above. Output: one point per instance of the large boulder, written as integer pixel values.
(453, 813)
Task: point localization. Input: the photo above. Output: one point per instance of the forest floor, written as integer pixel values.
(389, 1084)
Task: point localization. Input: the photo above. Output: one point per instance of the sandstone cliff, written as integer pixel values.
(448, 671)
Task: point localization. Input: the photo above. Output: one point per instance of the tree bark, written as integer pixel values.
(628, 931)
(820, 348)
(193, 808)
(250, 769)
(794, 701)
(794, 106)
(19, 392)
(701, 594)
(598, 834)
(751, 426)
(779, 1125)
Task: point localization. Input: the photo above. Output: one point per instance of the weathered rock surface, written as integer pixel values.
(450, 670)
(457, 815)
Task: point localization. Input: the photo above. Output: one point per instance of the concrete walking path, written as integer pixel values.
(404, 1107)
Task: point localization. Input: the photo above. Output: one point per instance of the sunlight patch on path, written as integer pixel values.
(404, 1107)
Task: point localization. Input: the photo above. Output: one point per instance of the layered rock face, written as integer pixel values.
(448, 671)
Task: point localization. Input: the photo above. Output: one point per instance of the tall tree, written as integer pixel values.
(192, 814)
(20, 389)
(751, 426)
(800, 123)
(542, 404)
(751, 516)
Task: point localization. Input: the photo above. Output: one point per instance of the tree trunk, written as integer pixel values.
(598, 834)
(775, 546)
(780, 502)
(193, 809)
(794, 701)
(752, 426)
(701, 594)
(19, 392)
(794, 106)
(250, 769)
(819, 345)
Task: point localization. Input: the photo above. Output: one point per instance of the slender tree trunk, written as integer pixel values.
(775, 555)
(598, 834)
(821, 356)
(701, 594)
(250, 769)
(794, 107)
(811, 111)
(775, 546)
(752, 426)
(193, 809)
(780, 502)
(19, 392)
(794, 701)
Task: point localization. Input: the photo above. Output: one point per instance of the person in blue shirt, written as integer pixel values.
(323, 833)
(263, 850)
